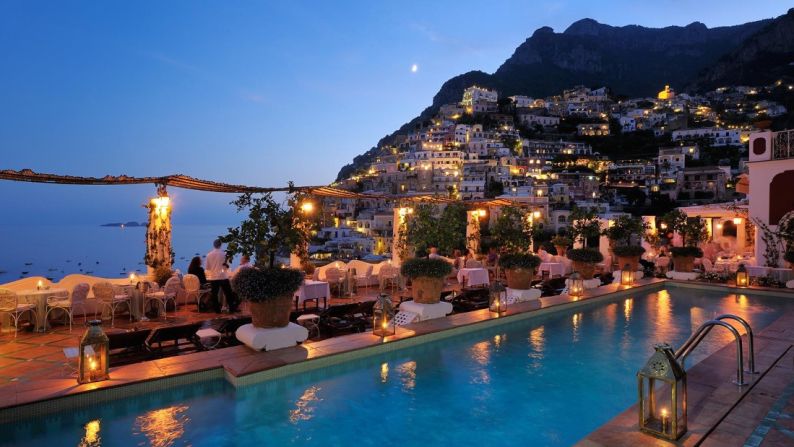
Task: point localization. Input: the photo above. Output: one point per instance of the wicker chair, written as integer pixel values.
(69, 303)
(193, 289)
(107, 297)
(10, 305)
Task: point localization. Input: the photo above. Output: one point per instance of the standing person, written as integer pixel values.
(218, 277)
(433, 253)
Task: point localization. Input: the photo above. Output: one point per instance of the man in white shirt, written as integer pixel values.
(433, 253)
(218, 276)
(245, 262)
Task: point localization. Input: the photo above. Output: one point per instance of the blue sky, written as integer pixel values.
(247, 92)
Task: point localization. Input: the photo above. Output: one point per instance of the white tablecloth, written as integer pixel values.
(39, 298)
(312, 290)
(471, 277)
(554, 268)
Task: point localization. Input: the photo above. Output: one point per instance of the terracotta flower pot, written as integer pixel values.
(519, 279)
(426, 290)
(586, 269)
(561, 249)
(632, 261)
(271, 313)
(683, 263)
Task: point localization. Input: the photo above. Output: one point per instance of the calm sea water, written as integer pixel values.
(547, 381)
(56, 251)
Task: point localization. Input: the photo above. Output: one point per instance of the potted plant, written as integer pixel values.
(628, 254)
(427, 278)
(519, 269)
(584, 224)
(270, 292)
(512, 231)
(585, 260)
(693, 232)
(561, 244)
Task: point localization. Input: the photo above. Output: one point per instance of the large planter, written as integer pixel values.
(632, 261)
(519, 279)
(426, 289)
(561, 249)
(271, 313)
(586, 269)
(683, 263)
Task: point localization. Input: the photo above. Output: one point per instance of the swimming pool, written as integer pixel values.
(547, 380)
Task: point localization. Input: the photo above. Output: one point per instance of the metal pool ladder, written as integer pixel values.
(694, 340)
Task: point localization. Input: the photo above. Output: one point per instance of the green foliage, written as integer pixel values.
(624, 228)
(562, 240)
(493, 189)
(269, 229)
(584, 224)
(161, 274)
(692, 230)
(512, 231)
(447, 231)
(687, 251)
(265, 284)
(433, 268)
(518, 261)
(585, 255)
(789, 256)
(628, 250)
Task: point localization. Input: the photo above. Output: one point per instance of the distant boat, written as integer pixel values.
(25, 273)
(97, 262)
(52, 269)
(28, 263)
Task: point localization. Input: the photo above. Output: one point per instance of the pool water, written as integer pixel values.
(548, 380)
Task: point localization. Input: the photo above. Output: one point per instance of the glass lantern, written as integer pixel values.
(742, 277)
(626, 276)
(661, 384)
(93, 355)
(383, 324)
(497, 300)
(575, 285)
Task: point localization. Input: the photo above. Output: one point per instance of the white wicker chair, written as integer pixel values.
(335, 278)
(193, 289)
(69, 303)
(107, 297)
(166, 294)
(10, 305)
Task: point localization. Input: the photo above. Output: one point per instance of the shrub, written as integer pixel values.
(562, 240)
(789, 256)
(518, 261)
(683, 252)
(433, 268)
(628, 250)
(258, 285)
(162, 274)
(585, 255)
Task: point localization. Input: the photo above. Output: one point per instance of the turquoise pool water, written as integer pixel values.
(545, 381)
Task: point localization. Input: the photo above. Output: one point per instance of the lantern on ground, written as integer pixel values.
(383, 324)
(661, 384)
(497, 300)
(575, 284)
(627, 276)
(742, 277)
(93, 354)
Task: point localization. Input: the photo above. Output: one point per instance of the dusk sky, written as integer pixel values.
(253, 93)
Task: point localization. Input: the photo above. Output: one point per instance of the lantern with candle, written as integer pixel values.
(627, 276)
(39, 285)
(742, 277)
(497, 300)
(383, 324)
(93, 354)
(575, 285)
(661, 384)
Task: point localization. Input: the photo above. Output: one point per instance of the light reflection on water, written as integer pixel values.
(91, 437)
(163, 427)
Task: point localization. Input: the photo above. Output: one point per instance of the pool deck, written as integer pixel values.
(712, 408)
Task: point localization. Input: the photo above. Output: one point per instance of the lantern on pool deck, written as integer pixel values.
(93, 356)
(742, 277)
(497, 300)
(661, 384)
(383, 324)
(627, 276)
(575, 284)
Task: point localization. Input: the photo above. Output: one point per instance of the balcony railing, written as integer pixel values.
(783, 145)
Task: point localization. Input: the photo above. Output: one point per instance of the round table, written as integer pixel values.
(39, 298)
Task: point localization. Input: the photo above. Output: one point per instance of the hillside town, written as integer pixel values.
(585, 148)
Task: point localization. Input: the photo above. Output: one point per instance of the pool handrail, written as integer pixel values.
(701, 332)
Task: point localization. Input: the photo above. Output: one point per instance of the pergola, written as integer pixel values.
(158, 232)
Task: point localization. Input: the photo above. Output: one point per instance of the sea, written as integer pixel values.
(54, 251)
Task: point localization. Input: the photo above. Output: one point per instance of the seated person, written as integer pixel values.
(195, 268)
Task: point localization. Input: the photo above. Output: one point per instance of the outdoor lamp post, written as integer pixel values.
(661, 385)
(93, 354)
(383, 324)
(575, 285)
(742, 277)
(627, 276)
(497, 300)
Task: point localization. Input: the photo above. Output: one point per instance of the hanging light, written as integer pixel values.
(737, 220)
(383, 324)
(93, 354)
(742, 277)
(627, 276)
(662, 409)
(497, 301)
(575, 285)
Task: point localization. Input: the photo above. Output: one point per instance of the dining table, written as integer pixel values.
(39, 298)
(554, 268)
(475, 276)
(313, 290)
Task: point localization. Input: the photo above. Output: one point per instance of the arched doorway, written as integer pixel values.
(781, 196)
